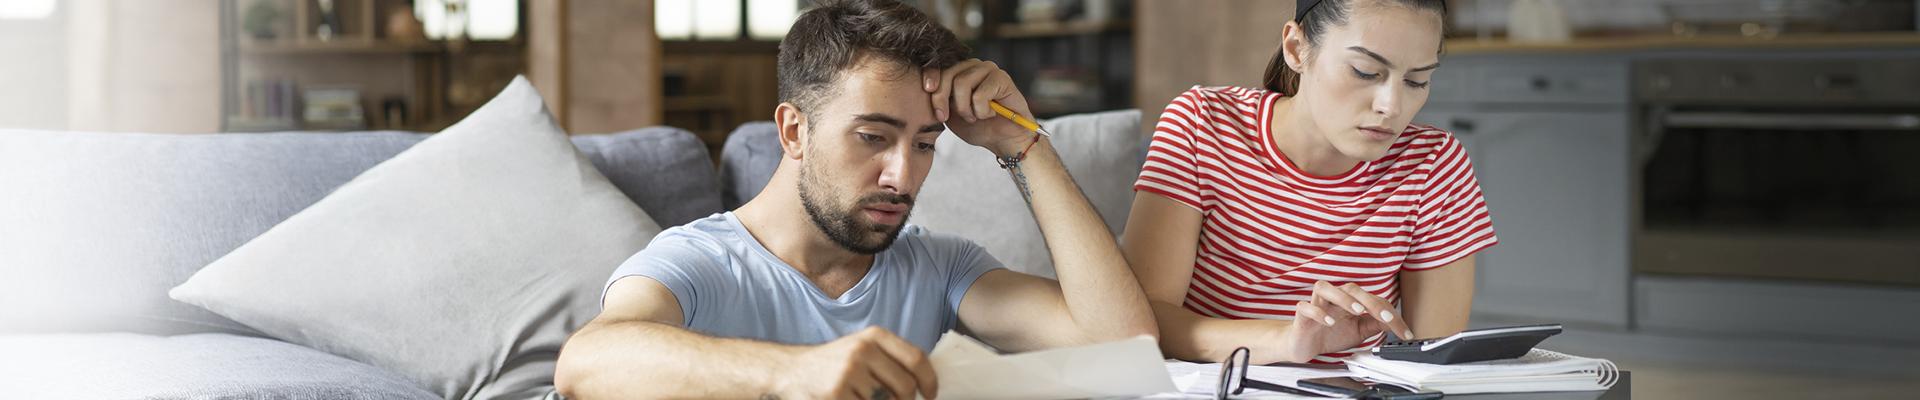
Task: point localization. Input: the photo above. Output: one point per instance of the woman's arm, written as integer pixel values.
(1160, 241)
(1437, 301)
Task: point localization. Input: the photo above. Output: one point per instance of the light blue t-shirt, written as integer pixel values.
(729, 285)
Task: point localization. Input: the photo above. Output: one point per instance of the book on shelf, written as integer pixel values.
(265, 104)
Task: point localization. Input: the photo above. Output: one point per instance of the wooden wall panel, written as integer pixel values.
(1179, 44)
(546, 53)
(605, 66)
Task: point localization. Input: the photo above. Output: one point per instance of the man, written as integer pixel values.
(816, 288)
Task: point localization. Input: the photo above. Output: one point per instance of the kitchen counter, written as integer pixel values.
(1462, 46)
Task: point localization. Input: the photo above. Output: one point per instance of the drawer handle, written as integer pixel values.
(1756, 121)
(1836, 82)
(1539, 83)
(1462, 125)
(1731, 81)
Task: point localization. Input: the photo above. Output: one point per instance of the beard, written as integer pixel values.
(843, 225)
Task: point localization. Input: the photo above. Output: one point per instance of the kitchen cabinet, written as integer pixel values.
(1550, 142)
(1556, 184)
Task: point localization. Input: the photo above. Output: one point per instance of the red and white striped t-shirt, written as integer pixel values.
(1270, 230)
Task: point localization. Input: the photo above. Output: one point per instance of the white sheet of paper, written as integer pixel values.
(970, 370)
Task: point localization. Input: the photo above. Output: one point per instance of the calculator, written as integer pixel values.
(1469, 346)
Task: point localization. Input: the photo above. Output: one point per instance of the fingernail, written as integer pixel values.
(1386, 316)
(1357, 309)
(1329, 320)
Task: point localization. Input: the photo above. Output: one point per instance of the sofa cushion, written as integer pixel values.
(747, 161)
(462, 264)
(667, 171)
(136, 214)
(968, 195)
(199, 366)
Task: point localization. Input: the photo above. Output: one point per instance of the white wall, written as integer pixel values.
(33, 79)
(113, 65)
(144, 65)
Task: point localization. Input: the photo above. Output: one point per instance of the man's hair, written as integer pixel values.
(825, 41)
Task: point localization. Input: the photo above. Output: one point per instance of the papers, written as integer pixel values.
(1201, 380)
(971, 370)
(1538, 371)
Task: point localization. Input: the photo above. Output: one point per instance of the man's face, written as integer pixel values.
(868, 146)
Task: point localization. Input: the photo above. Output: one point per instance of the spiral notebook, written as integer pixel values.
(1538, 371)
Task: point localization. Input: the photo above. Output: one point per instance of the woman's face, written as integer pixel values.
(1364, 80)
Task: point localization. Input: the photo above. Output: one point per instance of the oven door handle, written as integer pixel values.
(1883, 122)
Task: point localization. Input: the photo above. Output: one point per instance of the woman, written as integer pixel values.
(1292, 220)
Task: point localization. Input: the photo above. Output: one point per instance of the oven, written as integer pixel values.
(1803, 168)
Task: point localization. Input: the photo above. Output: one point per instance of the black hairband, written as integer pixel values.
(1300, 8)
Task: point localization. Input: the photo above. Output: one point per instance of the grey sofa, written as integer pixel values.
(170, 204)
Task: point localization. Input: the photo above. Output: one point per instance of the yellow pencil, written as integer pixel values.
(1017, 119)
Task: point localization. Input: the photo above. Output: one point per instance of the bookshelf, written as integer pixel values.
(302, 65)
(1067, 60)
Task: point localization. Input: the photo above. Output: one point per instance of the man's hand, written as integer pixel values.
(960, 96)
(872, 364)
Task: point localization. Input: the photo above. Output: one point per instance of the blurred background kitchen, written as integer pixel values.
(1718, 195)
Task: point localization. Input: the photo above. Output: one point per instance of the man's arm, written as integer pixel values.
(1097, 298)
(636, 348)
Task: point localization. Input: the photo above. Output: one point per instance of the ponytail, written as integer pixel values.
(1281, 78)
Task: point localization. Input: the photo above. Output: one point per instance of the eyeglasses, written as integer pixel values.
(1233, 378)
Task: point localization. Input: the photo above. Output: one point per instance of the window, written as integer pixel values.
(26, 9)
(480, 19)
(721, 19)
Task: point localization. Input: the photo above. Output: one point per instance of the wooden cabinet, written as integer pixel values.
(1201, 42)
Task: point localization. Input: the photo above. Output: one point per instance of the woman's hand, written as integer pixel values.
(1338, 318)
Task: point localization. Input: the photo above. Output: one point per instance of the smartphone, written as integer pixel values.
(1348, 387)
(1339, 386)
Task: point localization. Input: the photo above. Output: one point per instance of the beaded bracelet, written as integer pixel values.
(1008, 162)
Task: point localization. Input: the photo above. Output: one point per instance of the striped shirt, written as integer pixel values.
(1271, 230)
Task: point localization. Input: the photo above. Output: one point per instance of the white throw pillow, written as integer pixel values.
(967, 194)
(462, 263)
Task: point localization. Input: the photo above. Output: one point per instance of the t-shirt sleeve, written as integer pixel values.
(681, 263)
(1452, 218)
(1171, 168)
(969, 262)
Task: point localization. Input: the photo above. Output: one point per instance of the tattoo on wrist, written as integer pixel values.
(1020, 181)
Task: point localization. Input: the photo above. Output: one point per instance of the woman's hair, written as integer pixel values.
(1315, 16)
